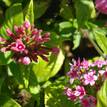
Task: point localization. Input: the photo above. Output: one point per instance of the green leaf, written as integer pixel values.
(84, 11)
(29, 14)
(17, 71)
(10, 2)
(40, 7)
(7, 2)
(65, 28)
(13, 16)
(8, 102)
(5, 58)
(57, 63)
(101, 39)
(102, 96)
(44, 70)
(76, 40)
(24, 76)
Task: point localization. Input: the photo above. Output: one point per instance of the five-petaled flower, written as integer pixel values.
(90, 78)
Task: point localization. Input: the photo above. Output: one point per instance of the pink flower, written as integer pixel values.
(70, 94)
(90, 78)
(85, 64)
(80, 92)
(89, 102)
(25, 60)
(99, 63)
(74, 70)
(101, 72)
(26, 24)
(101, 5)
(18, 46)
(73, 75)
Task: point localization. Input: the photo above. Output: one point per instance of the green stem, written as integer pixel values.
(27, 76)
(42, 94)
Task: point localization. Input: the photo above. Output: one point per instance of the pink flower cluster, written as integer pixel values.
(83, 77)
(27, 43)
(75, 94)
(101, 5)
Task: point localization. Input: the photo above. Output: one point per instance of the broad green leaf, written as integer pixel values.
(58, 62)
(102, 96)
(5, 58)
(7, 2)
(29, 13)
(40, 7)
(65, 28)
(8, 102)
(33, 85)
(13, 16)
(17, 71)
(24, 76)
(44, 70)
(101, 39)
(10, 2)
(66, 11)
(84, 10)
(76, 40)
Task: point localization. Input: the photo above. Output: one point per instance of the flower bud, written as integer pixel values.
(25, 60)
(55, 50)
(9, 32)
(26, 24)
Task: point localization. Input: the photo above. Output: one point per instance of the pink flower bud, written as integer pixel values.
(35, 31)
(55, 50)
(26, 24)
(105, 74)
(24, 60)
(3, 49)
(2, 39)
(101, 5)
(9, 32)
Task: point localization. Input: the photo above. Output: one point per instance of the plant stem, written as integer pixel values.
(42, 94)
